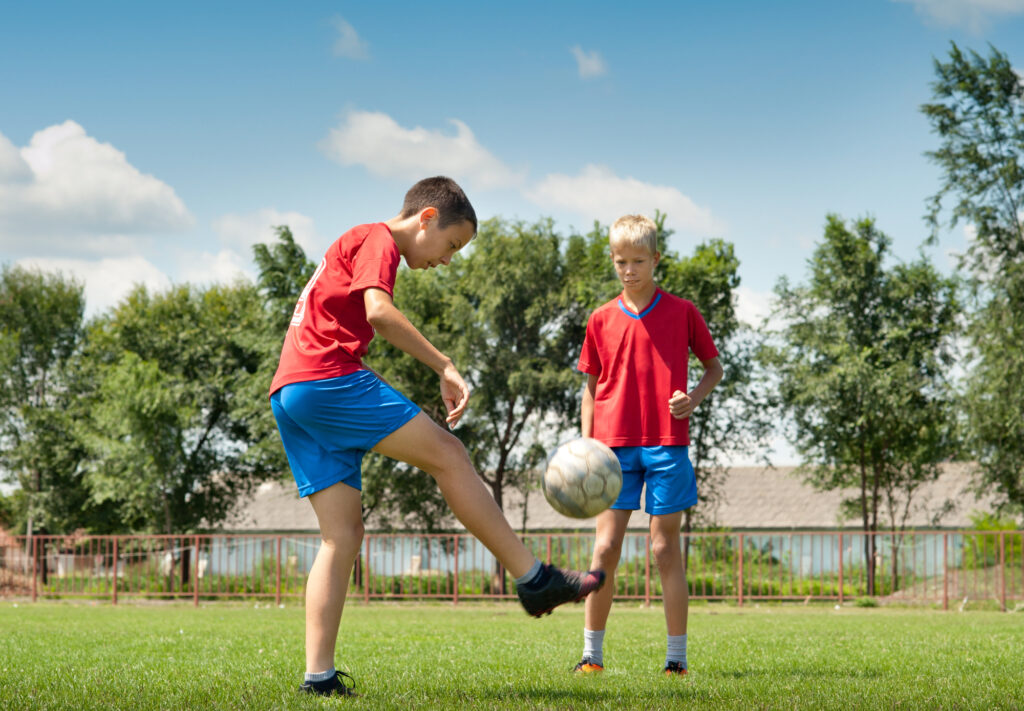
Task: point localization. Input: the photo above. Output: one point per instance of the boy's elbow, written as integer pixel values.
(377, 318)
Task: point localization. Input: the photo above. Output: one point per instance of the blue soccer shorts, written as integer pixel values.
(668, 474)
(327, 426)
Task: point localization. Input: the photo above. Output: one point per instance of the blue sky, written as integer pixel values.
(154, 143)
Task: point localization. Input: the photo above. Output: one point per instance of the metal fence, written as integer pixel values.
(932, 567)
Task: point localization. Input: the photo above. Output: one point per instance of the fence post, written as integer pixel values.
(647, 571)
(455, 596)
(277, 596)
(739, 574)
(1002, 569)
(841, 554)
(945, 571)
(366, 558)
(116, 561)
(34, 569)
(195, 572)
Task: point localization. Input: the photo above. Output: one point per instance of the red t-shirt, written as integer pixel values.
(329, 333)
(640, 360)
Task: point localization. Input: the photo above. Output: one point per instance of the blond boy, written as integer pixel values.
(636, 355)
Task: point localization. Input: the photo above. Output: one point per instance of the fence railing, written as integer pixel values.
(934, 567)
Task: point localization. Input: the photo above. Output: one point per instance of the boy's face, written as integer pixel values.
(433, 245)
(634, 266)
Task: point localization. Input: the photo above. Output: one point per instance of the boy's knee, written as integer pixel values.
(665, 549)
(608, 551)
(344, 535)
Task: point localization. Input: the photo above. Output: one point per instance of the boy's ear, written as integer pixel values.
(427, 214)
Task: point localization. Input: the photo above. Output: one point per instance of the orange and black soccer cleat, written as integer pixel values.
(675, 669)
(587, 666)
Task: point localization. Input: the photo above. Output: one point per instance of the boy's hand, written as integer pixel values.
(681, 405)
(454, 394)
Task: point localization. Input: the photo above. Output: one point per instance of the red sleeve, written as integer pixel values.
(590, 359)
(375, 263)
(700, 337)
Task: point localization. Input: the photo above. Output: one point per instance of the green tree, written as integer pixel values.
(978, 114)
(170, 426)
(41, 333)
(863, 363)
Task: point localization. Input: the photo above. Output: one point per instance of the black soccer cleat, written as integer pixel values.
(561, 586)
(675, 669)
(335, 686)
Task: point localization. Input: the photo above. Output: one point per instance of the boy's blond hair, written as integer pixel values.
(635, 231)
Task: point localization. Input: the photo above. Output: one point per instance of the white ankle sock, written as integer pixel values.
(593, 645)
(676, 649)
(320, 676)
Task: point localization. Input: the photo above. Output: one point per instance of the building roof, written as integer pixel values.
(753, 498)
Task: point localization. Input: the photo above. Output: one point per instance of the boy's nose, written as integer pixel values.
(445, 260)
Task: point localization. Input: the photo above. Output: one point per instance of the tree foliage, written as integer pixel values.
(41, 333)
(978, 114)
(863, 363)
(170, 422)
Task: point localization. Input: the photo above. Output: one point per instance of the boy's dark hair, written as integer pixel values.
(443, 193)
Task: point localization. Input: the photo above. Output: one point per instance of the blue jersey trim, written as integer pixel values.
(643, 313)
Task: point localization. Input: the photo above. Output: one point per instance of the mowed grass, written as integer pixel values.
(435, 656)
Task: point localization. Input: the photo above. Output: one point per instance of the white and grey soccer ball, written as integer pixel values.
(582, 479)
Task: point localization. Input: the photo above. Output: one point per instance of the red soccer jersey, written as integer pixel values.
(329, 333)
(640, 360)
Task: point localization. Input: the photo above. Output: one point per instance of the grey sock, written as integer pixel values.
(321, 676)
(593, 645)
(676, 649)
(530, 574)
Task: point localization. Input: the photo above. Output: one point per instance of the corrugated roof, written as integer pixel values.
(752, 498)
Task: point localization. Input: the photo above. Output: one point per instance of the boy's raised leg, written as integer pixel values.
(423, 444)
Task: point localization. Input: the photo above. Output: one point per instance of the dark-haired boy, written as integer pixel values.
(330, 411)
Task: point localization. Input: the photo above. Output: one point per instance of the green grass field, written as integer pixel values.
(427, 656)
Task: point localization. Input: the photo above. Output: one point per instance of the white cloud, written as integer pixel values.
(974, 15)
(224, 267)
(590, 64)
(241, 232)
(378, 143)
(349, 43)
(106, 281)
(754, 307)
(68, 193)
(597, 193)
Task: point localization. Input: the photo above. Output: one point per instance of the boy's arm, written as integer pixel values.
(682, 405)
(587, 408)
(397, 330)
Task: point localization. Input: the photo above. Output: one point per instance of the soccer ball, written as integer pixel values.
(583, 478)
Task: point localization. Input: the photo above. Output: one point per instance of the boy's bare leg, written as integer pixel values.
(611, 529)
(423, 444)
(669, 556)
(340, 515)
